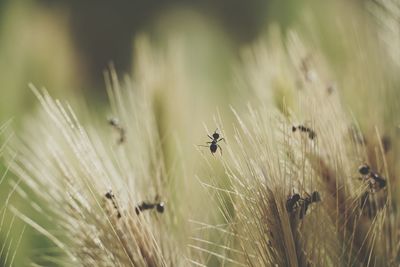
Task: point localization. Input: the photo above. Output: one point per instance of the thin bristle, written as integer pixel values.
(300, 171)
(102, 225)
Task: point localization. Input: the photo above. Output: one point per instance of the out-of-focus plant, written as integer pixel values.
(10, 236)
(35, 47)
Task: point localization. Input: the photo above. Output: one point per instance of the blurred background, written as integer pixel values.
(66, 45)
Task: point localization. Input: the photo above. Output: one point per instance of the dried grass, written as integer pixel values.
(70, 165)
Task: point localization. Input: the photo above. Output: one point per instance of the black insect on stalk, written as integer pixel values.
(109, 195)
(160, 207)
(291, 202)
(214, 142)
(116, 125)
(375, 181)
(304, 129)
(364, 169)
(315, 197)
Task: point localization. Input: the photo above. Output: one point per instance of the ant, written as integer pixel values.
(315, 197)
(160, 207)
(214, 142)
(364, 169)
(292, 202)
(109, 195)
(295, 201)
(115, 124)
(304, 129)
(375, 181)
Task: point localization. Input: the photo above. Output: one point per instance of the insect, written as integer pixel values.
(116, 125)
(364, 169)
(304, 129)
(378, 180)
(291, 202)
(214, 142)
(160, 207)
(295, 201)
(375, 181)
(109, 195)
(315, 197)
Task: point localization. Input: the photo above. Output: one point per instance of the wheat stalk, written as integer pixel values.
(297, 137)
(72, 167)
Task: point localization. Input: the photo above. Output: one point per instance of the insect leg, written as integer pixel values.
(203, 145)
(220, 149)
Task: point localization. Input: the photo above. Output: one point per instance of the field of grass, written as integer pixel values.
(303, 122)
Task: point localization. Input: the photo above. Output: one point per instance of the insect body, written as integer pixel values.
(302, 128)
(375, 181)
(160, 207)
(214, 142)
(115, 124)
(307, 201)
(364, 169)
(295, 201)
(291, 202)
(109, 195)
